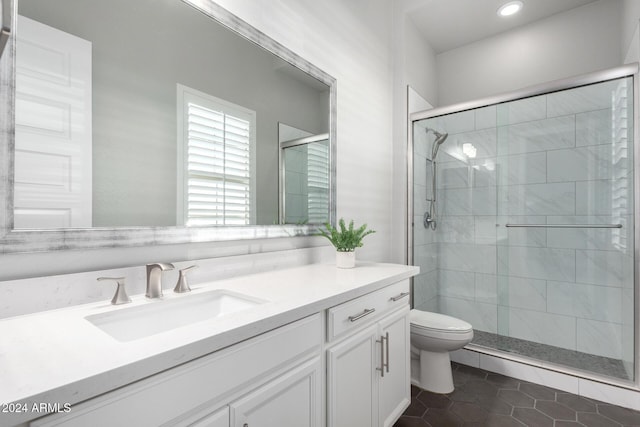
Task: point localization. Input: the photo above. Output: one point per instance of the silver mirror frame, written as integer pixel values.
(21, 241)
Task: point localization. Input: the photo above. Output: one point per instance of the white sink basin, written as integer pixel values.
(156, 316)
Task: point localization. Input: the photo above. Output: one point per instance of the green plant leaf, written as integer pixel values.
(346, 239)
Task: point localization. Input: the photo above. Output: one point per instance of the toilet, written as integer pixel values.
(433, 336)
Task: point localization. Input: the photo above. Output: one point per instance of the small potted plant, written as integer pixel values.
(345, 240)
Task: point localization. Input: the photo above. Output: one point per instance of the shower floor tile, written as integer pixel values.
(486, 399)
(575, 359)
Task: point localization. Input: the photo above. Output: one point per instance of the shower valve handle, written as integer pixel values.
(428, 222)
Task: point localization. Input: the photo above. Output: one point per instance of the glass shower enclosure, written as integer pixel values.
(304, 180)
(524, 222)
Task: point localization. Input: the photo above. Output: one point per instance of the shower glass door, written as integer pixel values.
(565, 227)
(534, 236)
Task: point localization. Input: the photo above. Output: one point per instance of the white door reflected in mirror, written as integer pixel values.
(53, 128)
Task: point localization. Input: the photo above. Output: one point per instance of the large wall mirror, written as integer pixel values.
(172, 121)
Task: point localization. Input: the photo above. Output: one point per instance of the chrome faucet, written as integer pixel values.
(154, 278)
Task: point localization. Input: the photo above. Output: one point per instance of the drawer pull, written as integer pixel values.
(366, 312)
(387, 351)
(384, 351)
(381, 368)
(399, 297)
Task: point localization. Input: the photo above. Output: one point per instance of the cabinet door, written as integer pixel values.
(217, 419)
(395, 387)
(292, 399)
(352, 385)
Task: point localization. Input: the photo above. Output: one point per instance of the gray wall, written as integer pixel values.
(630, 17)
(420, 63)
(578, 41)
(136, 65)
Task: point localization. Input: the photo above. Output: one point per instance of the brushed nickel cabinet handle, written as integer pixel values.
(399, 297)
(366, 312)
(382, 364)
(387, 364)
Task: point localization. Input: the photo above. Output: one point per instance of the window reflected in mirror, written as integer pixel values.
(216, 143)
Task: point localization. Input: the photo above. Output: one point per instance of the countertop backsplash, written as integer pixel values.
(25, 296)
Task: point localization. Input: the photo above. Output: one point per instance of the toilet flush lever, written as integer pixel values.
(120, 297)
(182, 285)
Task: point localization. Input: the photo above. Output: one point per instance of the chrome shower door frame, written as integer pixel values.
(628, 70)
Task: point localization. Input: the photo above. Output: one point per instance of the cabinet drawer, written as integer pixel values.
(195, 384)
(219, 418)
(360, 311)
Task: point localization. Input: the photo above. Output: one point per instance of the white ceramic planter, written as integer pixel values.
(345, 259)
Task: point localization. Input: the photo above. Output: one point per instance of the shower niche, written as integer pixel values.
(531, 235)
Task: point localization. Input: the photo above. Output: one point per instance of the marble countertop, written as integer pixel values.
(59, 357)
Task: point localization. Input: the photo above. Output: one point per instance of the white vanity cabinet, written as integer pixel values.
(270, 380)
(291, 400)
(368, 359)
(343, 364)
(219, 418)
(395, 386)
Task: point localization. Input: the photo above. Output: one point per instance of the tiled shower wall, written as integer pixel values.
(561, 158)
(425, 246)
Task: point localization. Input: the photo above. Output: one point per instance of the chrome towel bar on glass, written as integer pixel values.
(565, 225)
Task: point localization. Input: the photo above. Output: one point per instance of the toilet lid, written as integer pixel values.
(437, 321)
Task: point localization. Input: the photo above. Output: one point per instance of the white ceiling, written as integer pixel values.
(448, 24)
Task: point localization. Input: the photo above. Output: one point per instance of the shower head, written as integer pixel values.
(440, 139)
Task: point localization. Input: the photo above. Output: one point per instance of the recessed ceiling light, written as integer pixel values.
(510, 8)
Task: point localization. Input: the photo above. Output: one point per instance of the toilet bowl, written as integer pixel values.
(433, 336)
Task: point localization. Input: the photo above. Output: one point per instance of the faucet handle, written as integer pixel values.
(182, 285)
(120, 297)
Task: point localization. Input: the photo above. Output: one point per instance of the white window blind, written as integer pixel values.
(318, 182)
(217, 160)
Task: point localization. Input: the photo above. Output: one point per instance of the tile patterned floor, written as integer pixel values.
(485, 399)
